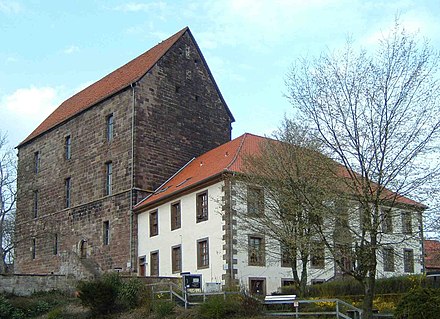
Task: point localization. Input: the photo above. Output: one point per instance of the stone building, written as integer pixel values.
(81, 171)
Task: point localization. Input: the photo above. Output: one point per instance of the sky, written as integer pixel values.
(50, 50)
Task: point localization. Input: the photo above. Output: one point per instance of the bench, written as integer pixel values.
(279, 299)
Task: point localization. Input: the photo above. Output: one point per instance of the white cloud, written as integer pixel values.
(31, 101)
(71, 49)
(10, 7)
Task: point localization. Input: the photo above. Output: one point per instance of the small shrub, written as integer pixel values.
(219, 308)
(163, 308)
(250, 307)
(56, 313)
(6, 309)
(132, 293)
(99, 296)
(421, 303)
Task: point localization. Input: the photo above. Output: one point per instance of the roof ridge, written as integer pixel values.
(237, 152)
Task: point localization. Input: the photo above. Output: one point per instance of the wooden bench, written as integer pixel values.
(279, 299)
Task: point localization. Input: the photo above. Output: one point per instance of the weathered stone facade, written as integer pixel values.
(178, 114)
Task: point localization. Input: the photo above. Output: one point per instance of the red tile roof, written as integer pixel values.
(226, 158)
(107, 86)
(432, 254)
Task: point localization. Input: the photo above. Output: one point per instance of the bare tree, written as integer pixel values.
(278, 195)
(7, 203)
(379, 116)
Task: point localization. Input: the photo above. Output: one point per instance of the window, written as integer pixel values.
(175, 216)
(285, 282)
(154, 263)
(256, 253)
(388, 259)
(67, 148)
(55, 244)
(110, 124)
(33, 248)
(406, 223)
(67, 187)
(317, 255)
(285, 257)
(36, 162)
(106, 232)
(255, 201)
(408, 260)
(35, 209)
(202, 253)
(364, 218)
(387, 221)
(154, 224)
(176, 259)
(142, 263)
(257, 286)
(202, 206)
(108, 178)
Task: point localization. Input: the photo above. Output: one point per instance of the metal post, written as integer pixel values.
(337, 309)
(296, 312)
(171, 292)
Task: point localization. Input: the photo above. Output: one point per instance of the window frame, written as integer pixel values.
(35, 204)
(154, 264)
(68, 147)
(176, 215)
(110, 126)
(202, 206)
(389, 264)
(55, 244)
(406, 223)
(317, 255)
(108, 178)
(67, 192)
(387, 221)
(154, 223)
(176, 259)
(37, 162)
(408, 260)
(106, 232)
(34, 248)
(260, 251)
(285, 258)
(255, 201)
(203, 253)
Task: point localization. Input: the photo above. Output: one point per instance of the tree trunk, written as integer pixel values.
(369, 287)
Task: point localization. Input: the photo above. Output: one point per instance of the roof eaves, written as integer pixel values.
(139, 209)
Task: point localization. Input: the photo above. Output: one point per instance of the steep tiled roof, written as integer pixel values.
(225, 158)
(107, 86)
(432, 254)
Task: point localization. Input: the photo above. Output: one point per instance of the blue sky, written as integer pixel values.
(51, 49)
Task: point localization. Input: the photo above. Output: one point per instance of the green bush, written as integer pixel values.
(351, 287)
(8, 311)
(249, 307)
(132, 293)
(218, 308)
(421, 303)
(112, 293)
(98, 295)
(163, 308)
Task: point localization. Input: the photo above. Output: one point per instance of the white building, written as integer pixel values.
(189, 225)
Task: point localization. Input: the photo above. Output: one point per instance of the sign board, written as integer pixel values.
(192, 281)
